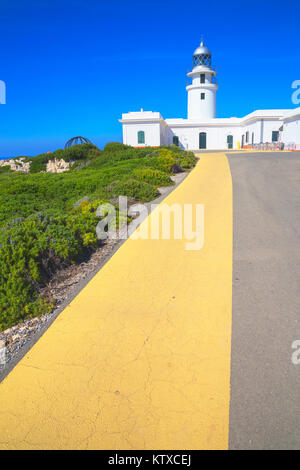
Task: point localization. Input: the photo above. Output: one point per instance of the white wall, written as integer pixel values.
(216, 137)
(291, 132)
(152, 134)
(201, 109)
(159, 132)
(254, 130)
(261, 129)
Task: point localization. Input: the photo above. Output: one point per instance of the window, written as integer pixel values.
(203, 96)
(247, 137)
(141, 137)
(176, 140)
(202, 78)
(252, 138)
(275, 136)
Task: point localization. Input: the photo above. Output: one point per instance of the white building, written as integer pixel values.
(202, 129)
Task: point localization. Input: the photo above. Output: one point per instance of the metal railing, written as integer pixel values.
(270, 146)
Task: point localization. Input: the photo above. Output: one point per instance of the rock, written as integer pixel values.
(10, 330)
(130, 201)
(53, 166)
(6, 332)
(2, 353)
(15, 337)
(58, 166)
(17, 164)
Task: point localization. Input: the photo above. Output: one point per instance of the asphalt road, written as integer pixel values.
(265, 384)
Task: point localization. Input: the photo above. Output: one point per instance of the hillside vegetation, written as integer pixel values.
(43, 230)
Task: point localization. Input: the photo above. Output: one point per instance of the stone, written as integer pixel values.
(15, 338)
(2, 353)
(58, 166)
(17, 164)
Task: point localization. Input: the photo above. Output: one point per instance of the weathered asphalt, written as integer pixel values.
(265, 385)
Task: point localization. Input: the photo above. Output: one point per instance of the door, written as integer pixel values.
(230, 141)
(202, 140)
(176, 140)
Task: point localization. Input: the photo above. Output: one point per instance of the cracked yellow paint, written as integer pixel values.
(141, 358)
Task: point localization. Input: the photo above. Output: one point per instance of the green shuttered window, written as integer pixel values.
(141, 137)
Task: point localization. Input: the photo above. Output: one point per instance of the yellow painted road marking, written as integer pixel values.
(141, 358)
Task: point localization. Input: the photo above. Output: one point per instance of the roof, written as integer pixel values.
(202, 50)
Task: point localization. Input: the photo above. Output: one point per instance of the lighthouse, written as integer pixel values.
(202, 90)
(202, 129)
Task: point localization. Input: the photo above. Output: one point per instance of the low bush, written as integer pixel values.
(154, 177)
(135, 189)
(115, 146)
(5, 169)
(186, 160)
(80, 152)
(39, 163)
(31, 250)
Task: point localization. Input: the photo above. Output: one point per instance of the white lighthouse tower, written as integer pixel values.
(202, 91)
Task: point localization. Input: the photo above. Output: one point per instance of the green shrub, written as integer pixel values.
(174, 161)
(136, 189)
(94, 153)
(31, 250)
(115, 146)
(59, 154)
(5, 169)
(110, 158)
(39, 163)
(187, 160)
(154, 177)
(78, 152)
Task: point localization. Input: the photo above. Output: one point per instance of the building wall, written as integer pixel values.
(216, 137)
(201, 109)
(268, 128)
(162, 133)
(291, 132)
(152, 134)
(254, 130)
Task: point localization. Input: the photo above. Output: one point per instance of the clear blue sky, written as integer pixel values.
(72, 67)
